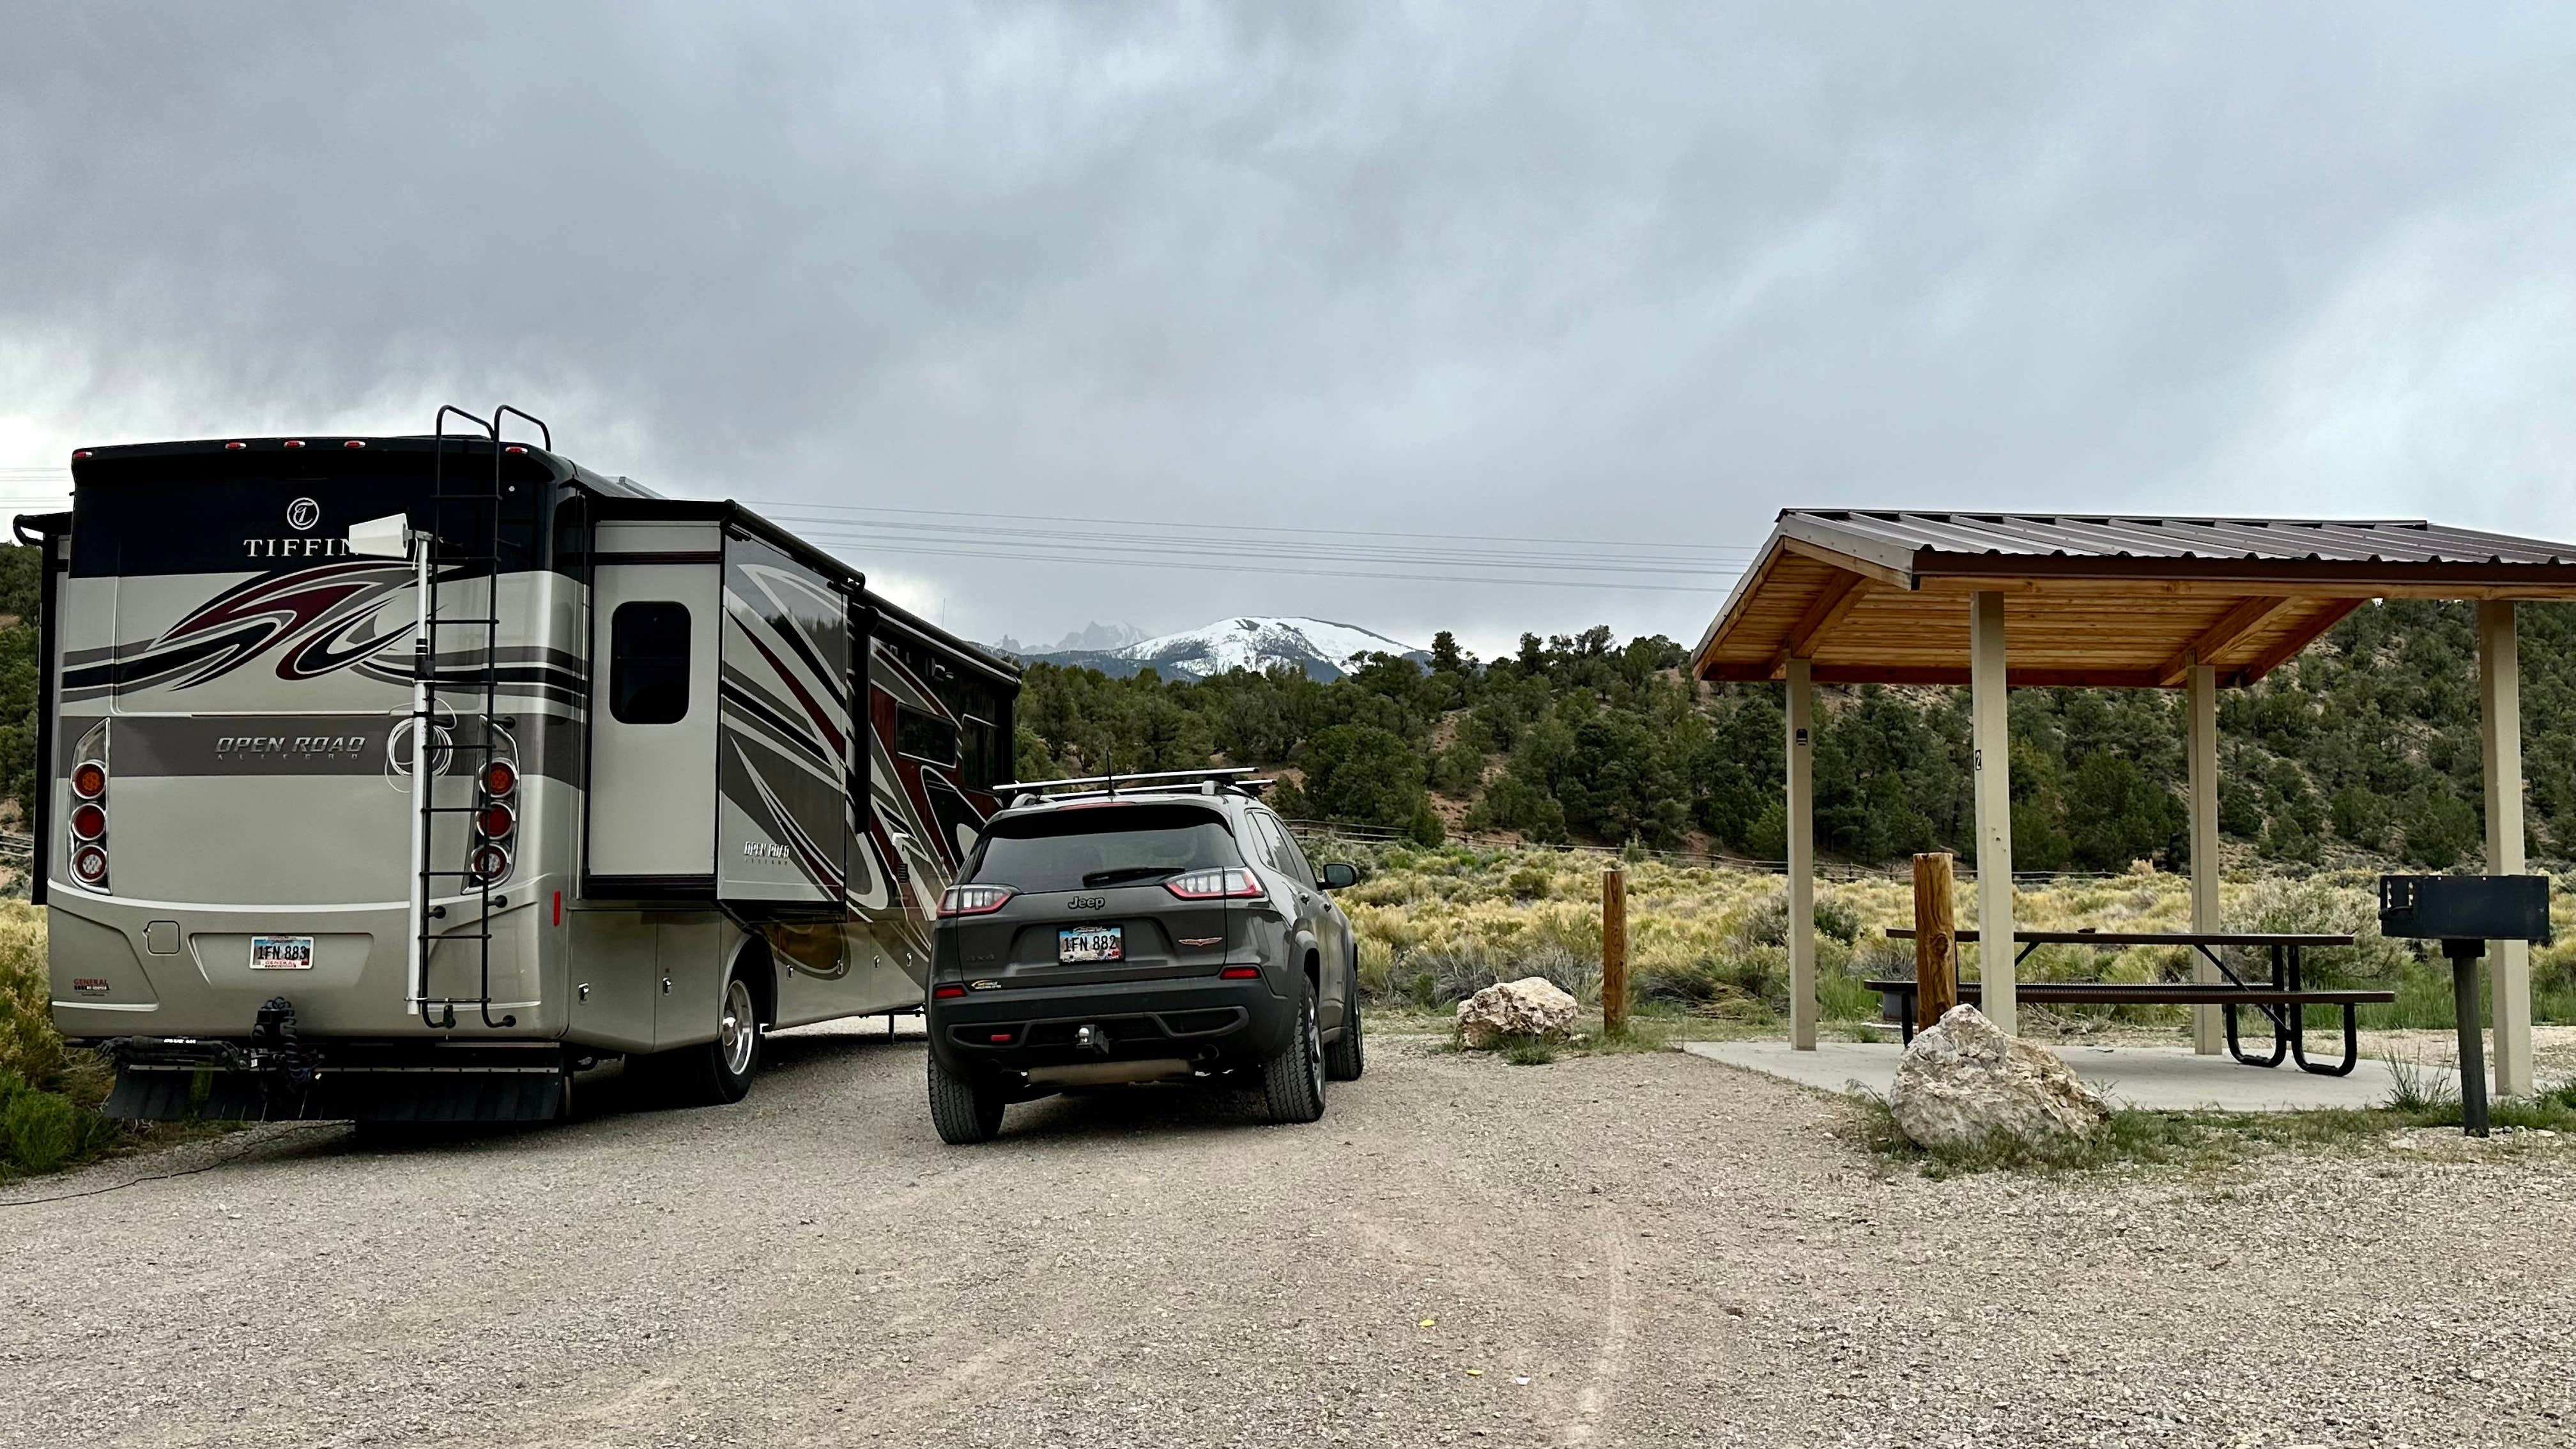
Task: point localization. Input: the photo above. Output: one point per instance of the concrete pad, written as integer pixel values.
(2156, 1078)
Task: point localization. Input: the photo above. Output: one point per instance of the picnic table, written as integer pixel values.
(2281, 1000)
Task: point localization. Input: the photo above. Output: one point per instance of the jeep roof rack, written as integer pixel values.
(1209, 781)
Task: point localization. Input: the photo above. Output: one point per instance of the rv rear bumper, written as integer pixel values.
(187, 1079)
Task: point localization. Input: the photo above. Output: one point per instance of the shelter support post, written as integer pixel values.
(2203, 707)
(1991, 743)
(1802, 858)
(2500, 719)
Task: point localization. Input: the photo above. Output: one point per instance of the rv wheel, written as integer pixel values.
(721, 1070)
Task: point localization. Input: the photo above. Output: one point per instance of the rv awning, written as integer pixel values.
(1882, 597)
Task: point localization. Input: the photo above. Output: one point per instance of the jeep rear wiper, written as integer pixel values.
(1127, 873)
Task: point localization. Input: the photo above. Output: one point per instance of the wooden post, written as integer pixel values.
(2203, 794)
(1992, 765)
(1802, 857)
(1936, 940)
(1614, 951)
(2500, 718)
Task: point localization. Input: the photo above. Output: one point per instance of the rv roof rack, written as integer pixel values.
(1209, 781)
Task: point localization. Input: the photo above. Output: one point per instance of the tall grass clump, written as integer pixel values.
(47, 1096)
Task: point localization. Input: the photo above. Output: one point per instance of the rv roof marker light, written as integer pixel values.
(295, 442)
(354, 443)
(516, 450)
(79, 453)
(235, 447)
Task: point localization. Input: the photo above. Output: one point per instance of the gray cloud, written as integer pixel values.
(1541, 272)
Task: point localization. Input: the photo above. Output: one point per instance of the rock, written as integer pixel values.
(1965, 1080)
(1531, 1006)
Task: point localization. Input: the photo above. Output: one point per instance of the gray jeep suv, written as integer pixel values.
(1139, 930)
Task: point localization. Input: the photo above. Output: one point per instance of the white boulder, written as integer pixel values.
(1965, 1080)
(1531, 1006)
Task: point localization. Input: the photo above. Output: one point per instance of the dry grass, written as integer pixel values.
(1709, 941)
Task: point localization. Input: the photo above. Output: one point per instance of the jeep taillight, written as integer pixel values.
(1231, 883)
(974, 900)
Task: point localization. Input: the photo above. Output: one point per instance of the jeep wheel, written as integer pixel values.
(962, 1109)
(1344, 1060)
(1292, 1082)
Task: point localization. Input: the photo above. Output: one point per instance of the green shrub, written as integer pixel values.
(40, 1131)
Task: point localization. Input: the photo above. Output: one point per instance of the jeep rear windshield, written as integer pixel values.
(1088, 847)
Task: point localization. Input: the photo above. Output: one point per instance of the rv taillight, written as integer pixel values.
(89, 779)
(500, 778)
(489, 862)
(89, 822)
(495, 821)
(235, 447)
(90, 864)
(974, 900)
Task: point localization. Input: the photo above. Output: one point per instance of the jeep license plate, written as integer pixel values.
(1091, 943)
(281, 953)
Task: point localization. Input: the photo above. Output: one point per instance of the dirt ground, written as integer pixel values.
(1645, 1249)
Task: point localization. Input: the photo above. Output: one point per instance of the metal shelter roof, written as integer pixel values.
(1873, 596)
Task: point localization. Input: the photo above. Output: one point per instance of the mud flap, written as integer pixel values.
(213, 1095)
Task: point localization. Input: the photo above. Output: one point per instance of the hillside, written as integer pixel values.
(2366, 749)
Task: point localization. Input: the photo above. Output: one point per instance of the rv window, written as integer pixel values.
(648, 663)
(983, 755)
(924, 736)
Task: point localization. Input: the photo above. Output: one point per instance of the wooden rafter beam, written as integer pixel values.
(2231, 628)
(2300, 638)
(1840, 594)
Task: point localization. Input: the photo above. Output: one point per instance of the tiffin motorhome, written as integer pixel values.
(403, 778)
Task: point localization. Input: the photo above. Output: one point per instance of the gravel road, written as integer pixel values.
(1614, 1250)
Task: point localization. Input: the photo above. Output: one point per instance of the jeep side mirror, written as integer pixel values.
(1340, 875)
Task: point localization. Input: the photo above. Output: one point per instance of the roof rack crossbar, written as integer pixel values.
(1109, 784)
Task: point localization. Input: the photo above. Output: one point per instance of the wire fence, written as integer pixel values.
(1361, 833)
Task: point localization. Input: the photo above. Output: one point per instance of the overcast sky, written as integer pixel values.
(1527, 273)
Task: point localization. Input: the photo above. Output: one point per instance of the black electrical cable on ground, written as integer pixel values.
(236, 1155)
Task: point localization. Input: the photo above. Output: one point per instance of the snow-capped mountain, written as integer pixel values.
(1319, 646)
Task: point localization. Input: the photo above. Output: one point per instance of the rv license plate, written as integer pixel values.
(281, 953)
(1091, 943)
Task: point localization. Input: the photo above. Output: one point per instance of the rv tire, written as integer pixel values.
(720, 1072)
(964, 1110)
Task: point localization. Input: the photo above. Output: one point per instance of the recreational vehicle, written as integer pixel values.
(403, 778)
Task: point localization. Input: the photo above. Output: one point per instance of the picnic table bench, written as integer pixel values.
(2280, 1000)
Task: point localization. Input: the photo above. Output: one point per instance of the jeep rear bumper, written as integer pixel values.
(1213, 1024)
